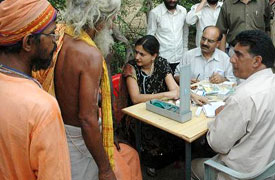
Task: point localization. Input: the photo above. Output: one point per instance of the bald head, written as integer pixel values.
(210, 39)
(215, 30)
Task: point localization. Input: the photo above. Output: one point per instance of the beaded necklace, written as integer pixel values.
(8, 70)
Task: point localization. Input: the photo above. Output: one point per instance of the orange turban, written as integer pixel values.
(21, 17)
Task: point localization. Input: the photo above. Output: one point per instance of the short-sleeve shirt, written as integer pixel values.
(149, 84)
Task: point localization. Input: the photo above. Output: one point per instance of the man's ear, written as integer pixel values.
(27, 43)
(218, 44)
(257, 61)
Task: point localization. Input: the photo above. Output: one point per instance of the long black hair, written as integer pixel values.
(149, 44)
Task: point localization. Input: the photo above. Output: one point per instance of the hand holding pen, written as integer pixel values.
(195, 80)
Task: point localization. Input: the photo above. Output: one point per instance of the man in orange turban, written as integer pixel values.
(32, 136)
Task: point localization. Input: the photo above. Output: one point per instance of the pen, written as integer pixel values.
(198, 77)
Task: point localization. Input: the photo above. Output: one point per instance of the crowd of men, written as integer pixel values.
(51, 76)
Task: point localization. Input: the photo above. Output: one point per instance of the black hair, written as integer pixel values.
(149, 43)
(16, 48)
(260, 44)
(219, 31)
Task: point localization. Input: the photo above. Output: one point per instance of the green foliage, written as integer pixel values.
(117, 59)
(58, 4)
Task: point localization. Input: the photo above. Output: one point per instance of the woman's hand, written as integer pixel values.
(173, 94)
(199, 100)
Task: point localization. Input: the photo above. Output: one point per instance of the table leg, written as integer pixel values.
(187, 161)
(138, 136)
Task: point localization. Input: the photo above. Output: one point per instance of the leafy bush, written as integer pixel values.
(58, 4)
(133, 26)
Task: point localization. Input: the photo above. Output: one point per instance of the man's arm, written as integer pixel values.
(195, 13)
(222, 24)
(49, 154)
(222, 45)
(228, 128)
(89, 79)
(267, 17)
(185, 37)
(152, 23)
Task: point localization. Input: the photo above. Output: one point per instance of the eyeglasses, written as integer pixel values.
(208, 40)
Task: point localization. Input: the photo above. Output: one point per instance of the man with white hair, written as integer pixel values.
(79, 72)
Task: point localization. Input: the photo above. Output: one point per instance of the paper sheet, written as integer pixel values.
(209, 109)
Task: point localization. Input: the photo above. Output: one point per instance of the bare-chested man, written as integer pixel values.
(79, 72)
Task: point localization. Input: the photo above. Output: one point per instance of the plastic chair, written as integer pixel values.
(211, 167)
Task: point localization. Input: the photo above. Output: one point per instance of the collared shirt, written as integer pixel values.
(33, 143)
(202, 68)
(236, 16)
(205, 17)
(171, 31)
(243, 132)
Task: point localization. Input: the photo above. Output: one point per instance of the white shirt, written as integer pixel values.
(219, 62)
(171, 31)
(243, 132)
(205, 17)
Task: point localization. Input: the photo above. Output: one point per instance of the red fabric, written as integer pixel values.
(115, 81)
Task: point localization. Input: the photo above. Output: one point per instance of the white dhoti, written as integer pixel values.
(83, 165)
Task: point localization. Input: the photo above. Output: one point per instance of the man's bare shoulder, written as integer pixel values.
(77, 51)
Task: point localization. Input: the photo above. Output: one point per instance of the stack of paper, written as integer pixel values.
(209, 109)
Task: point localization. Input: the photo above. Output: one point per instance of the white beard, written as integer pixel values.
(104, 41)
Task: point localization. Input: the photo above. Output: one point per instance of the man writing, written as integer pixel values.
(32, 136)
(78, 73)
(249, 144)
(208, 62)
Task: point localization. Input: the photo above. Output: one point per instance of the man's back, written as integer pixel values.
(77, 62)
(32, 134)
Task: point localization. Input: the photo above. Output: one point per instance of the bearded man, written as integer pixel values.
(79, 71)
(167, 23)
(32, 136)
(203, 14)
